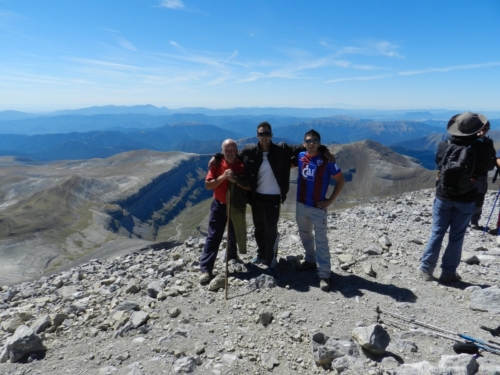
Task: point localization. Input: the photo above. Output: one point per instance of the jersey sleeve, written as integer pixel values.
(212, 174)
(334, 169)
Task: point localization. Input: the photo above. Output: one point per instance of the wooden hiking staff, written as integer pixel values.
(228, 212)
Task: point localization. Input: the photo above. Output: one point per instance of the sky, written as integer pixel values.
(373, 54)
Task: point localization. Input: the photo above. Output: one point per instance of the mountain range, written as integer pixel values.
(381, 114)
(187, 136)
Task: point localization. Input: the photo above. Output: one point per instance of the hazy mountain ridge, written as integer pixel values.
(352, 130)
(403, 114)
(101, 144)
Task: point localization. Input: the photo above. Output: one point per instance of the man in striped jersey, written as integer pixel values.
(313, 180)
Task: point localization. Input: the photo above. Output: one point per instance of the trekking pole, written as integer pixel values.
(461, 346)
(228, 212)
(479, 343)
(494, 204)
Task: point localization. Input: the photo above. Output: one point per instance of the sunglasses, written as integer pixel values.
(264, 134)
(314, 141)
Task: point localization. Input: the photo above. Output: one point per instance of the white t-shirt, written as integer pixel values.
(266, 182)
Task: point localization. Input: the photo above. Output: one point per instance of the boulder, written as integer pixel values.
(41, 324)
(24, 342)
(374, 338)
(326, 349)
(154, 288)
(487, 299)
(462, 363)
(184, 365)
(138, 318)
(262, 282)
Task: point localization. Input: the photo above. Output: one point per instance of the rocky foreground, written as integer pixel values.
(145, 313)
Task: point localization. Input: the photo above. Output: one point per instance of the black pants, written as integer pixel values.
(216, 226)
(266, 213)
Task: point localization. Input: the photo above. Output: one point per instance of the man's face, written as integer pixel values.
(311, 143)
(264, 135)
(230, 151)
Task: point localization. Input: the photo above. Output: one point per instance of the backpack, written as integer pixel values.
(456, 168)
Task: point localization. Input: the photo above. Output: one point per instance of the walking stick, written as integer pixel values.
(228, 203)
(492, 348)
(494, 204)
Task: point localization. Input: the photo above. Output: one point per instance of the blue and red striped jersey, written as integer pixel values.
(314, 177)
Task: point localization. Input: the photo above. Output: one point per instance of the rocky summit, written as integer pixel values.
(146, 313)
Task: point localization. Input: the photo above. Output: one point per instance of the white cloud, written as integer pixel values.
(172, 4)
(383, 48)
(362, 78)
(103, 63)
(110, 30)
(233, 55)
(449, 68)
(387, 49)
(126, 44)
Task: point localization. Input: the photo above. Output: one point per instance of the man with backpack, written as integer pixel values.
(460, 160)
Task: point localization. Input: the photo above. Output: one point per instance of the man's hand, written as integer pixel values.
(229, 175)
(323, 204)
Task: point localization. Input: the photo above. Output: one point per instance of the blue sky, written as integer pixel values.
(396, 54)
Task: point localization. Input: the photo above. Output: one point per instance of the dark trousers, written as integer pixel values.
(216, 226)
(266, 213)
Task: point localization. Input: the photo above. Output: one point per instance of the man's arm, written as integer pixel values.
(213, 183)
(339, 177)
(297, 149)
(242, 181)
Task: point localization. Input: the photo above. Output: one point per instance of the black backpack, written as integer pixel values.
(456, 168)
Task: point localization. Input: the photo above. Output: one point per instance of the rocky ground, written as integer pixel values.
(145, 312)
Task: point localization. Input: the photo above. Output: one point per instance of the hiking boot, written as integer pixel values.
(493, 231)
(449, 278)
(205, 278)
(425, 276)
(303, 266)
(324, 285)
(476, 227)
(258, 260)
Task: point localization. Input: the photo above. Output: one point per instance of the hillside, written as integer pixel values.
(371, 170)
(53, 213)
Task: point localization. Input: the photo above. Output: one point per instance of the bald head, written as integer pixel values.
(230, 150)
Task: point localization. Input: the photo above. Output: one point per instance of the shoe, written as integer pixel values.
(205, 278)
(449, 278)
(425, 276)
(234, 260)
(303, 266)
(324, 285)
(493, 231)
(258, 260)
(476, 227)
